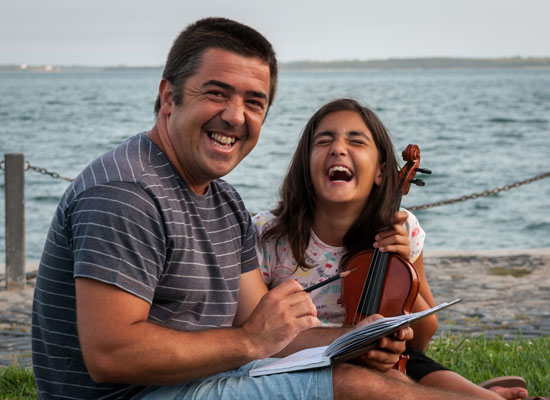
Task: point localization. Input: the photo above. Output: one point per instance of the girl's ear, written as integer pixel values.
(379, 174)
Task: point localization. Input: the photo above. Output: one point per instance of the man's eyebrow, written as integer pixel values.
(224, 85)
(221, 84)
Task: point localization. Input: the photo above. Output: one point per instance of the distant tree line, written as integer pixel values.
(419, 63)
(339, 65)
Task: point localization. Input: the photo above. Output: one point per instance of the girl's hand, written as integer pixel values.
(389, 349)
(395, 239)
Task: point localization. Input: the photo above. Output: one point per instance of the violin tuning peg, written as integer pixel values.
(418, 182)
(424, 170)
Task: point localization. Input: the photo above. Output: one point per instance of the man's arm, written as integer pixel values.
(120, 345)
(252, 288)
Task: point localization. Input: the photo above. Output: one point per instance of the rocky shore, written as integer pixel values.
(504, 292)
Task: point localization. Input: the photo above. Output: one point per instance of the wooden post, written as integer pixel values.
(14, 176)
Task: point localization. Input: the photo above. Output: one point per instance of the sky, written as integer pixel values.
(140, 32)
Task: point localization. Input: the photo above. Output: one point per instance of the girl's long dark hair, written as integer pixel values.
(294, 212)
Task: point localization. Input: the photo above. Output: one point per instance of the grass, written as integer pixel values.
(475, 358)
(17, 383)
(479, 359)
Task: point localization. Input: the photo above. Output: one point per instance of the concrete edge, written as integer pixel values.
(543, 251)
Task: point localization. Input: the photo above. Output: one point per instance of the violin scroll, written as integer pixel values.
(407, 174)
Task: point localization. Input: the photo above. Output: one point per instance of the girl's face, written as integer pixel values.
(343, 161)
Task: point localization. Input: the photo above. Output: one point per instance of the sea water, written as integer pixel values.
(477, 129)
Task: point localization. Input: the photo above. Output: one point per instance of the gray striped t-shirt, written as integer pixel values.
(129, 220)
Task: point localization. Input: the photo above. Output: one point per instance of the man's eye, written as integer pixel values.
(256, 104)
(215, 94)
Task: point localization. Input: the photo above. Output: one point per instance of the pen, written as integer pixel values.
(327, 281)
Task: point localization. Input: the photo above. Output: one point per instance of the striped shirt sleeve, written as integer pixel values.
(118, 238)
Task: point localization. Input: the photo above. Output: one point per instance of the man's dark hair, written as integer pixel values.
(294, 212)
(186, 54)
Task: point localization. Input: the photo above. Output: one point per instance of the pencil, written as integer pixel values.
(327, 281)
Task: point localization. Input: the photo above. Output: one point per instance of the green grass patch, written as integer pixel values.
(475, 358)
(478, 358)
(17, 383)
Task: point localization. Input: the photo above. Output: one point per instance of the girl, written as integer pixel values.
(337, 199)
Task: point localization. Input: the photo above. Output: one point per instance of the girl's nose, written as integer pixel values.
(338, 148)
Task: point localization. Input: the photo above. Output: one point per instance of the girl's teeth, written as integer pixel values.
(340, 173)
(339, 169)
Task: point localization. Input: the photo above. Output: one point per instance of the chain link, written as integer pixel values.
(43, 171)
(486, 193)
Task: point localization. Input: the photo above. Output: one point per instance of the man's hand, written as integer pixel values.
(396, 239)
(386, 355)
(281, 314)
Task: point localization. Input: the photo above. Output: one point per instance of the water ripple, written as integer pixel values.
(476, 129)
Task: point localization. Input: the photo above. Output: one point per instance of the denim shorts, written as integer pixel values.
(237, 385)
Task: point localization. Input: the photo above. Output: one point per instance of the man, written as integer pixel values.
(148, 286)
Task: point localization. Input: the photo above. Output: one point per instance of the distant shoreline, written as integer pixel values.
(336, 65)
(419, 63)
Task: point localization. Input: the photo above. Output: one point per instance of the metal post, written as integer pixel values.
(15, 220)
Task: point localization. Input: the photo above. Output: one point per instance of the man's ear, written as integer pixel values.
(166, 95)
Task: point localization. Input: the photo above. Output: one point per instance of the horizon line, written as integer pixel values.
(24, 65)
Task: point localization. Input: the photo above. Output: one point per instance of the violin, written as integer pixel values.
(384, 283)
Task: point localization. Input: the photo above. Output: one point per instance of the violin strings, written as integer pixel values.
(376, 286)
(374, 280)
(366, 285)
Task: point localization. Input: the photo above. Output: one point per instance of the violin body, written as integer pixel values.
(384, 283)
(399, 287)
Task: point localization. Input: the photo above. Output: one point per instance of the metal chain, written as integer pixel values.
(482, 194)
(46, 172)
(39, 170)
(413, 208)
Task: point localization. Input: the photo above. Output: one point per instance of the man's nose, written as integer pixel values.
(234, 113)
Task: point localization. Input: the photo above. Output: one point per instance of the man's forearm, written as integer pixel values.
(120, 345)
(150, 354)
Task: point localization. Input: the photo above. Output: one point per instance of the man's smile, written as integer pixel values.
(222, 141)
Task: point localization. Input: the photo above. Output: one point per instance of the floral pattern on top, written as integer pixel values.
(278, 265)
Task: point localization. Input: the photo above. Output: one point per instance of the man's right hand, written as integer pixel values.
(281, 314)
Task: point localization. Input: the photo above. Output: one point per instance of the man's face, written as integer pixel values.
(218, 123)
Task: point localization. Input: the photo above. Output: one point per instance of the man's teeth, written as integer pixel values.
(222, 139)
